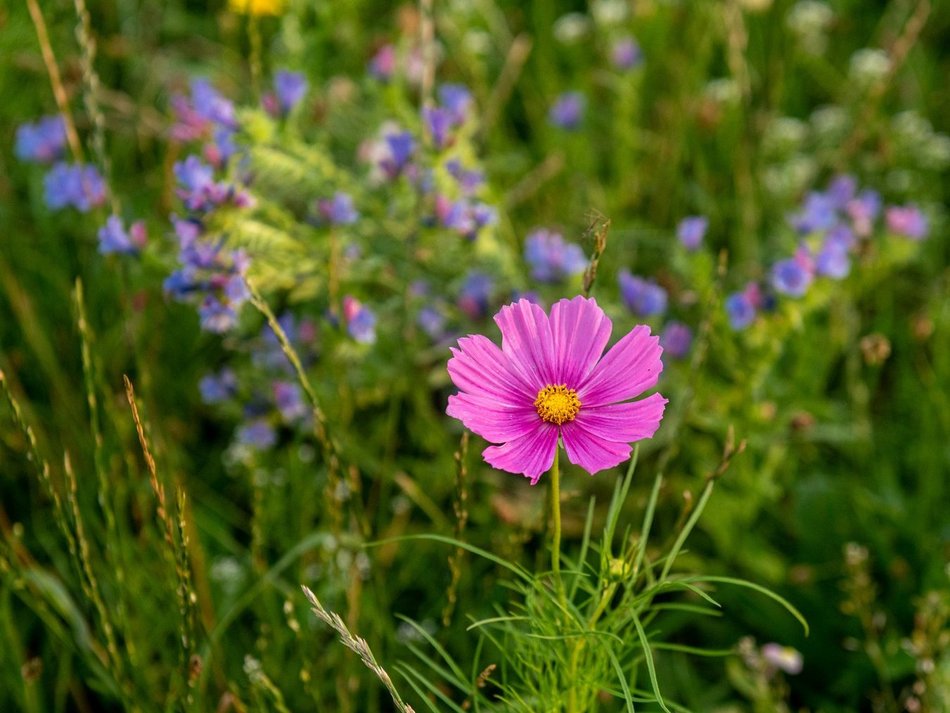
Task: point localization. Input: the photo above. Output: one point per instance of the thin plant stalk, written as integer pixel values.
(55, 78)
(555, 477)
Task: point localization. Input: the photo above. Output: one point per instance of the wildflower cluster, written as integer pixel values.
(65, 185)
(832, 227)
(243, 219)
(74, 185)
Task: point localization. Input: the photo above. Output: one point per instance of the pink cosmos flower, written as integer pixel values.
(548, 380)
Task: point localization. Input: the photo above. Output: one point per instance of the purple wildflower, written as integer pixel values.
(833, 260)
(464, 216)
(289, 400)
(843, 236)
(818, 214)
(400, 147)
(199, 191)
(209, 103)
(475, 295)
(432, 321)
(567, 112)
(842, 190)
(457, 100)
(290, 88)
(676, 339)
(551, 258)
(383, 64)
(43, 141)
(529, 295)
(863, 211)
(214, 275)
(217, 316)
(339, 210)
(742, 306)
(257, 434)
(793, 276)
(469, 180)
(360, 321)
(644, 298)
(113, 237)
(197, 115)
(219, 387)
(626, 54)
(438, 123)
(221, 148)
(906, 220)
(692, 230)
(76, 185)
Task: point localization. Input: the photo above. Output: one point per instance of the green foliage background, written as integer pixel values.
(840, 449)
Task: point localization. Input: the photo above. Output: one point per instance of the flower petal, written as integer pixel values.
(480, 367)
(589, 451)
(491, 420)
(580, 330)
(526, 340)
(623, 423)
(630, 367)
(530, 455)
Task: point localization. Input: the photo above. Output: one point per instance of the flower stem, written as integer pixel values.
(556, 517)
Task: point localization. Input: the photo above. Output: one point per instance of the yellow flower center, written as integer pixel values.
(557, 404)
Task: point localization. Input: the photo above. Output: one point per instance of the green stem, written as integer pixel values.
(556, 516)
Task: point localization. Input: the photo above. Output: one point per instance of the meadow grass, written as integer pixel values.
(152, 555)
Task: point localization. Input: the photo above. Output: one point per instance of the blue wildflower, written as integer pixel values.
(644, 298)
(219, 387)
(457, 100)
(692, 230)
(113, 237)
(209, 104)
(339, 210)
(43, 141)
(833, 260)
(465, 216)
(199, 191)
(742, 307)
(257, 434)
(360, 320)
(793, 276)
(551, 258)
(625, 53)
(76, 185)
(818, 214)
(843, 236)
(567, 112)
(217, 316)
(215, 275)
(469, 180)
(431, 321)
(197, 115)
(676, 340)
(400, 147)
(289, 401)
(475, 295)
(842, 190)
(222, 146)
(863, 211)
(438, 123)
(290, 88)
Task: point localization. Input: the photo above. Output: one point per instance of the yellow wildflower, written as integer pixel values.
(257, 7)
